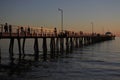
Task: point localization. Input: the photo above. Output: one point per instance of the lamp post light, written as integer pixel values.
(61, 19)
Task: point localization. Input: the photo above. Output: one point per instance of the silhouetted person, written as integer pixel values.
(22, 29)
(10, 29)
(41, 30)
(81, 33)
(55, 31)
(18, 30)
(6, 27)
(28, 30)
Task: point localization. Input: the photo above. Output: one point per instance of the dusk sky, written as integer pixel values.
(78, 14)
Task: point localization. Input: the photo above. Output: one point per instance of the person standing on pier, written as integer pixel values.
(6, 27)
(10, 29)
(28, 30)
(22, 31)
(41, 31)
(55, 31)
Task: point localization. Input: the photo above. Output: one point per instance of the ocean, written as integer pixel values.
(99, 61)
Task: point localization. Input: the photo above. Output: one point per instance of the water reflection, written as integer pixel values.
(16, 66)
(20, 65)
(93, 62)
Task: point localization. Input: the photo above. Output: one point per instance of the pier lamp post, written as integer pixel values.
(61, 19)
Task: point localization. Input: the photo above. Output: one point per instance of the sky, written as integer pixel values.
(78, 14)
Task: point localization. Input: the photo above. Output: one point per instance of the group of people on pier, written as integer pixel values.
(33, 31)
(24, 30)
(7, 28)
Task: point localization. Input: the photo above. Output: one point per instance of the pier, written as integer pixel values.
(61, 43)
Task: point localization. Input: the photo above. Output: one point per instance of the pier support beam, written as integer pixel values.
(67, 45)
(88, 39)
(76, 42)
(93, 39)
(71, 45)
(57, 46)
(84, 41)
(19, 46)
(23, 47)
(44, 49)
(80, 42)
(62, 45)
(52, 48)
(36, 49)
(11, 45)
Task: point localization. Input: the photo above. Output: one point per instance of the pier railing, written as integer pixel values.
(23, 31)
(28, 31)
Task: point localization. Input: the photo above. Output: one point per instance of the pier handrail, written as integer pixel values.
(28, 31)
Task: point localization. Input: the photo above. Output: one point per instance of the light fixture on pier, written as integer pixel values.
(61, 19)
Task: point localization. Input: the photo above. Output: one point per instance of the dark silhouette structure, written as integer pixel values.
(60, 43)
(6, 27)
(28, 30)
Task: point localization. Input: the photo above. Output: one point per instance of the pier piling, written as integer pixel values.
(11, 45)
(57, 46)
(36, 49)
(52, 48)
(44, 49)
(71, 45)
(80, 42)
(67, 45)
(76, 42)
(19, 46)
(61, 46)
(23, 46)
